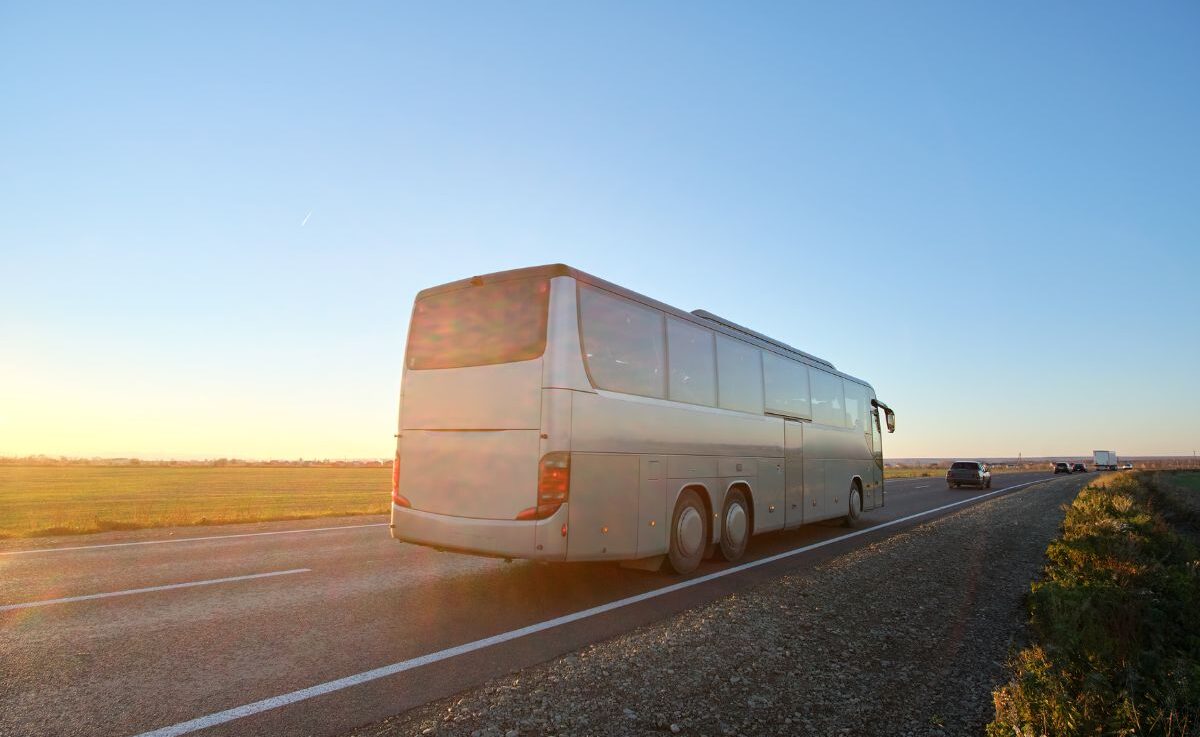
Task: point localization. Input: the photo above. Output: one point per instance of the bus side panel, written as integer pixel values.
(820, 444)
(653, 518)
(603, 506)
(837, 486)
(814, 488)
(794, 473)
(833, 457)
(767, 489)
(695, 441)
(606, 422)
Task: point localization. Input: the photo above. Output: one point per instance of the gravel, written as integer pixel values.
(906, 636)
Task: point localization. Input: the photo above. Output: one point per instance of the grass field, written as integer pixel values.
(1184, 484)
(61, 500)
(64, 500)
(1179, 497)
(940, 473)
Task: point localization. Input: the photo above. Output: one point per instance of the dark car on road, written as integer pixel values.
(1061, 467)
(1078, 468)
(969, 473)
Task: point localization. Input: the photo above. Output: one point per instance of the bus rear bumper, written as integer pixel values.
(540, 540)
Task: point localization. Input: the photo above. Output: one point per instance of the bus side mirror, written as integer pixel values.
(891, 420)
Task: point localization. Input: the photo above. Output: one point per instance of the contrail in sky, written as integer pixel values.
(305, 220)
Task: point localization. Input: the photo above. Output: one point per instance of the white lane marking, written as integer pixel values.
(321, 689)
(148, 589)
(922, 486)
(191, 539)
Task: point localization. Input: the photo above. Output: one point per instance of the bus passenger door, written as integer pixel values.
(793, 473)
(874, 498)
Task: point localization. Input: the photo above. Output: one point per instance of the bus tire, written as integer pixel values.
(689, 533)
(854, 507)
(735, 526)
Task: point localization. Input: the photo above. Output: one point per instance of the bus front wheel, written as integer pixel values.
(854, 509)
(689, 533)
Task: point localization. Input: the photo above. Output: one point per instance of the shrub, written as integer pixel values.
(1115, 626)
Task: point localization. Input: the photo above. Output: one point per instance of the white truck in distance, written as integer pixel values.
(1105, 460)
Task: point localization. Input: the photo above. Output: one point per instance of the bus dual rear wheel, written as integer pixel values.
(735, 526)
(689, 533)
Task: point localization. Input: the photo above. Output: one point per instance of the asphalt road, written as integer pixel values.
(139, 632)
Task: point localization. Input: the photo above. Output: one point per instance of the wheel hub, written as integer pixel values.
(690, 532)
(735, 524)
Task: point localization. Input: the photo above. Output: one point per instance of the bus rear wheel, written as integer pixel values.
(854, 508)
(735, 526)
(689, 533)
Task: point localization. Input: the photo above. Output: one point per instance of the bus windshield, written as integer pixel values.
(501, 322)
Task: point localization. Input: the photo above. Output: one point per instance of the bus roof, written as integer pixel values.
(700, 317)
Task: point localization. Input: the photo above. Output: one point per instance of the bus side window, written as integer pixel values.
(623, 343)
(856, 407)
(827, 400)
(786, 385)
(693, 362)
(739, 375)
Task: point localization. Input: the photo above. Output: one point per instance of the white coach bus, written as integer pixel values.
(551, 415)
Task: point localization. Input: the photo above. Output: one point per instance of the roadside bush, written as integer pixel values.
(1115, 626)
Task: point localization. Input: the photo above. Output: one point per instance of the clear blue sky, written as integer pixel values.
(214, 216)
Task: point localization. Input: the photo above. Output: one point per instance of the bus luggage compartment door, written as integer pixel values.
(654, 518)
(604, 504)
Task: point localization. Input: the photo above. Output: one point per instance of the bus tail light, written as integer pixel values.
(554, 484)
(396, 498)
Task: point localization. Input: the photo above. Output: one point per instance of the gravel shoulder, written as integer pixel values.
(906, 636)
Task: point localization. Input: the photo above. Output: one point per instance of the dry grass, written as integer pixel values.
(64, 500)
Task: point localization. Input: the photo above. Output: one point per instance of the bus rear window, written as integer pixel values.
(480, 325)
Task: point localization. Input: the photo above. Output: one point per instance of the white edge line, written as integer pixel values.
(321, 689)
(190, 539)
(148, 589)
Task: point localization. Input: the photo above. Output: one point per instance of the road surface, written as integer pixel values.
(155, 632)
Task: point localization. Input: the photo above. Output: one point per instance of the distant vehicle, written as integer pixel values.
(969, 473)
(551, 415)
(1078, 468)
(1126, 466)
(1105, 460)
(1061, 467)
